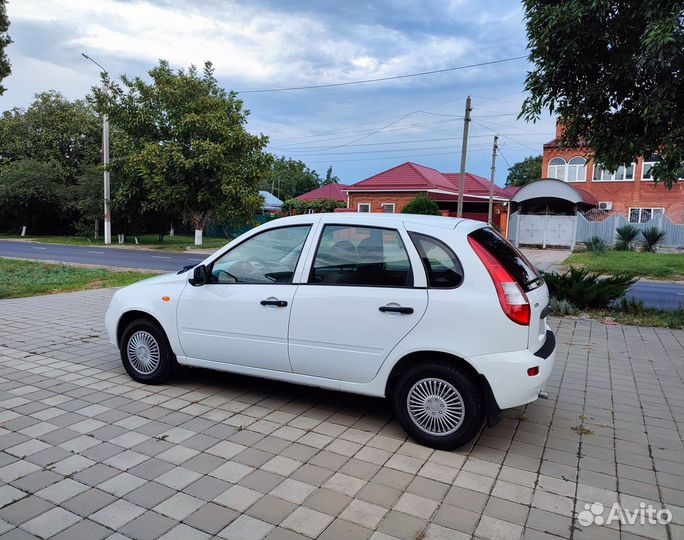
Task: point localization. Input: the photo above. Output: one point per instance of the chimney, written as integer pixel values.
(559, 128)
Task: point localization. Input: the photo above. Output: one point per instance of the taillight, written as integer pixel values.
(512, 298)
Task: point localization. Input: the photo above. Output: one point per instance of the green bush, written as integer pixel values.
(586, 290)
(315, 205)
(652, 237)
(562, 307)
(422, 205)
(596, 245)
(625, 237)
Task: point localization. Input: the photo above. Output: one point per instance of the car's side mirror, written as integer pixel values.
(199, 276)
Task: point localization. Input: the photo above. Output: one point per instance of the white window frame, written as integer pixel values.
(577, 168)
(612, 174)
(393, 205)
(641, 209)
(557, 169)
(643, 168)
(359, 205)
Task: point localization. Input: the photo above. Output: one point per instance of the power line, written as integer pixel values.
(380, 79)
(315, 149)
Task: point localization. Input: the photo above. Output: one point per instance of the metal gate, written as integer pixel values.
(545, 230)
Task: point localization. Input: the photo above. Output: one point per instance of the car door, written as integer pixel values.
(357, 303)
(241, 316)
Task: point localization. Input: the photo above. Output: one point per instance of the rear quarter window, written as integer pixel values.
(522, 270)
(443, 269)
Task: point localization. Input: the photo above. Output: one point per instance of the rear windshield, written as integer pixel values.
(522, 270)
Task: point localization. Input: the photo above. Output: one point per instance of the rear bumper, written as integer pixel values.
(507, 375)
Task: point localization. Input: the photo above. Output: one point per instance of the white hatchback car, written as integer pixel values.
(441, 315)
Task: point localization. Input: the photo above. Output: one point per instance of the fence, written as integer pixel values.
(602, 224)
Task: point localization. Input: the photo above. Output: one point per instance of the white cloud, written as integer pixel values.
(244, 42)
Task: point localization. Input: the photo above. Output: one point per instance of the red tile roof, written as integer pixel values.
(413, 177)
(329, 191)
(405, 177)
(474, 184)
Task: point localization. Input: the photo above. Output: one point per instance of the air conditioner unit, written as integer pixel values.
(606, 205)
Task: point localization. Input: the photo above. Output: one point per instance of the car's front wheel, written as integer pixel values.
(145, 352)
(438, 405)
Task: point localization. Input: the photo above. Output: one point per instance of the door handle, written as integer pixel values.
(396, 309)
(277, 303)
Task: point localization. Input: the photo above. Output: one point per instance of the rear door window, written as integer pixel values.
(522, 270)
(362, 256)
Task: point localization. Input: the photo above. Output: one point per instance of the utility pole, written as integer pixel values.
(105, 162)
(464, 152)
(491, 180)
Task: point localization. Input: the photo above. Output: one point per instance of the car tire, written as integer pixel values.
(438, 405)
(145, 352)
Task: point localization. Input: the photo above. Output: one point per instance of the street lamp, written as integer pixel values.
(105, 162)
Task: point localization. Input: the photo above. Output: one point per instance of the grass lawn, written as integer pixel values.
(647, 265)
(644, 317)
(28, 278)
(151, 241)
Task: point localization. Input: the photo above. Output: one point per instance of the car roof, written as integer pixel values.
(368, 218)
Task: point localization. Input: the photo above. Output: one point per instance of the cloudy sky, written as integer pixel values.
(258, 44)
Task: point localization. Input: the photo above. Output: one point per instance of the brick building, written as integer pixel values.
(630, 190)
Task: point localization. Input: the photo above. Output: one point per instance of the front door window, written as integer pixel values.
(270, 257)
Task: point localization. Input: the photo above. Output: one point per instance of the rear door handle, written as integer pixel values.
(396, 309)
(277, 303)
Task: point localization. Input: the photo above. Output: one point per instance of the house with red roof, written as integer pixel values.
(391, 190)
(334, 192)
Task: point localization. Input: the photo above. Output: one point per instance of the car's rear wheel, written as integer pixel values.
(438, 405)
(145, 352)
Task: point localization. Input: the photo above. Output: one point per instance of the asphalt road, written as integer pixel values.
(668, 296)
(125, 258)
(658, 295)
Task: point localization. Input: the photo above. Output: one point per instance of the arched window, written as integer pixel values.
(577, 169)
(557, 168)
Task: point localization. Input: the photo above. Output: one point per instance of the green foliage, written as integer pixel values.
(614, 72)
(5, 40)
(289, 178)
(422, 205)
(330, 178)
(586, 290)
(596, 245)
(66, 134)
(316, 205)
(32, 193)
(562, 307)
(652, 237)
(184, 148)
(525, 171)
(626, 234)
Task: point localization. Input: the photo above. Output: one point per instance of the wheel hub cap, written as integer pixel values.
(143, 352)
(435, 406)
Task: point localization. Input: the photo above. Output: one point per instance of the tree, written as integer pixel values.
(330, 178)
(613, 71)
(52, 130)
(185, 143)
(5, 40)
(422, 205)
(289, 178)
(32, 194)
(524, 171)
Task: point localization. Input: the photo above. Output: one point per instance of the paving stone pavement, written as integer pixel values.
(86, 453)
